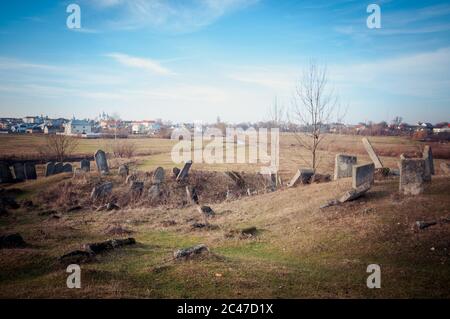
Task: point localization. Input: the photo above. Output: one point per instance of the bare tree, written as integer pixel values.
(397, 120)
(314, 105)
(276, 114)
(58, 146)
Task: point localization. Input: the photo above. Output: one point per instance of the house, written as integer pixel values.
(53, 129)
(144, 127)
(33, 129)
(32, 120)
(75, 127)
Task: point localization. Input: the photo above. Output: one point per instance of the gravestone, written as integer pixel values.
(130, 178)
(137, 187)
(123, 170)
(236, 177)
(19, 171)
(85, 165)
(372, 154)
(184, 172)
(58, 168)
(354, 193)
(429, 165)
(363, 174)
(49, 169)
(30, 171)
(101, 190)
(158, 176)
(343, 165)
(67, 168)
(303, 176)
(101, 161)
(411, 176)
(176, 172)
(5, 173)
(154, 192)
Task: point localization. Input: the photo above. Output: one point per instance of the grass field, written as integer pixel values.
(300, 250)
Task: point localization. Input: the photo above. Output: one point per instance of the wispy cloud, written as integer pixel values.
(141, 63)
(169, 15)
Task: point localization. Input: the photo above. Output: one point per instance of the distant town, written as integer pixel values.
(105, 125)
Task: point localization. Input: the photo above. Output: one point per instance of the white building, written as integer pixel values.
(75, 127)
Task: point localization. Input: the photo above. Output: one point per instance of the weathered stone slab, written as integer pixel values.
(58, 168)
(85, 165)
(429, 165)
(302, 176)
(354, 193)
(176, 171)
(185, 171)
(372, 154)
(101, 190)
(363, 174)
(154, 192)
(101, 162)
(30, 171)
(19, 171)
(187, 253)
(67, 168)
(158, 176)
(343, 165)
(5, 173)
(123, 170)
(49, 169)
(97, 248)
(411, 176)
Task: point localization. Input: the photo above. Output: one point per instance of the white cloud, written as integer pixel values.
(141, 63)
(169, 15)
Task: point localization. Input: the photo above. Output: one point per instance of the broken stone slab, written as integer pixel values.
(363, 174)
(411, 176)
(343, 165)
(19, 172)
(423, 224)
(185, 171)
(191, 252)
(330, 203)
(158, 176)
(249, 231)
(5, 173)
(429, 165)
(354, 193)
(321, 178)
(130, 178)
(49, 169)
(373, 156)
(101, 190)
(30, 171)
(302, 176)
(101, 162)
(98, 248)
(85, 165)
(123, 171)
(12, 241)
(192, 196)
(76, 257)
(206, 211)
(108, 207)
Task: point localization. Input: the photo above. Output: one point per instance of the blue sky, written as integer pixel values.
(194, 60)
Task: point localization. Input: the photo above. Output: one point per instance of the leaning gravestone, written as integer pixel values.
(102, 163)
(85, 165)
(101, 190)
(176, 171)
(5, 173)
(49, 169)
(343, 165)
(411, 176)
(184, 172)
(67, 168)
(123, 170)
(30, 171)
(58, 168)
(19, 171)
(372, 154)
(303, 176)
(363, 174)
(158, 176)
(429, 165)
(154, 192)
